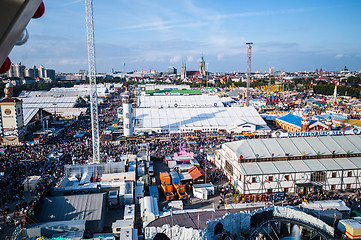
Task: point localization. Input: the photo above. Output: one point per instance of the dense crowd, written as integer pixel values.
(321, 195)
(18, 162)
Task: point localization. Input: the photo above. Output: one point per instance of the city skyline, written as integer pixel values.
(145, 35)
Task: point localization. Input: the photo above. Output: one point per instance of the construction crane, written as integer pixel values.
(249, 48)
(92, 80)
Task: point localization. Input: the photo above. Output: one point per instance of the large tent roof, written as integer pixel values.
(296, 147)
(204, 100)
(294, 166)
(174, 118)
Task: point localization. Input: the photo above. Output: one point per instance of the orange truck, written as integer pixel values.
(164, 178)
(181, 190)
(167, 190)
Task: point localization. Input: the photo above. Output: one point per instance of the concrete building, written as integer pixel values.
(32, 72)
(41, 71)
(16, 70)
(172, 70)
(50, 73)
(19, 70)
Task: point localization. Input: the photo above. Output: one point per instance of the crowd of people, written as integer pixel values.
(19, 162)
(322, 195)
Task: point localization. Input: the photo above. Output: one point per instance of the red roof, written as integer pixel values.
(10, 100)
(195, 173)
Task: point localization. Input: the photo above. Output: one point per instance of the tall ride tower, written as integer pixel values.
(92, 80)
(127, 113)
(249, 50)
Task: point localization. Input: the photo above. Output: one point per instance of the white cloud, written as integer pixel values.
(220, 56)
(175, 59)
(190, 59)
(339, 55)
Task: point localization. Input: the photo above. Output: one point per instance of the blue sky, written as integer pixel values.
(288, 35)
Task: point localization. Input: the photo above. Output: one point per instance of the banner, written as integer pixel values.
(279, 134)
(262, 197)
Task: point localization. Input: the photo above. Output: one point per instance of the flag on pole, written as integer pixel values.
(198, 220)
(265, 178)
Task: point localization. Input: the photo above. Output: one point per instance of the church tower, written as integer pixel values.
(183, 71)
(202, 67)
(305, 122)
(12, 127)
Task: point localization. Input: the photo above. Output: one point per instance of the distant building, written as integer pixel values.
(271, 70)
(75, 76)
(41, 70)
(202, 67)
(345, 70)
(172, 70)
(184, 72)
(11, 72)
(19, 70)
(32, 72)
(50, 73)
(83, 71)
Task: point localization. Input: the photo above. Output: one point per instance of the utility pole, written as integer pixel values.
(249, 49)
(92, 80)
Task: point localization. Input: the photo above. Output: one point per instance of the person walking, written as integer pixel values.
(260, 237)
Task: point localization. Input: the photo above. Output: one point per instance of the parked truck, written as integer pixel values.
(164, 178)
(180, 189)
(167, 190)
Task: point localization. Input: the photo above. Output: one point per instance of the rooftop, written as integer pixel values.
(293, 119)
(295, 147)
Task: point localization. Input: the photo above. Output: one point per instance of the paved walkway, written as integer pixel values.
(8, 229)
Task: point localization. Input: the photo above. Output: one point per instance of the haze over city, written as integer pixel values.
(288, 35)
